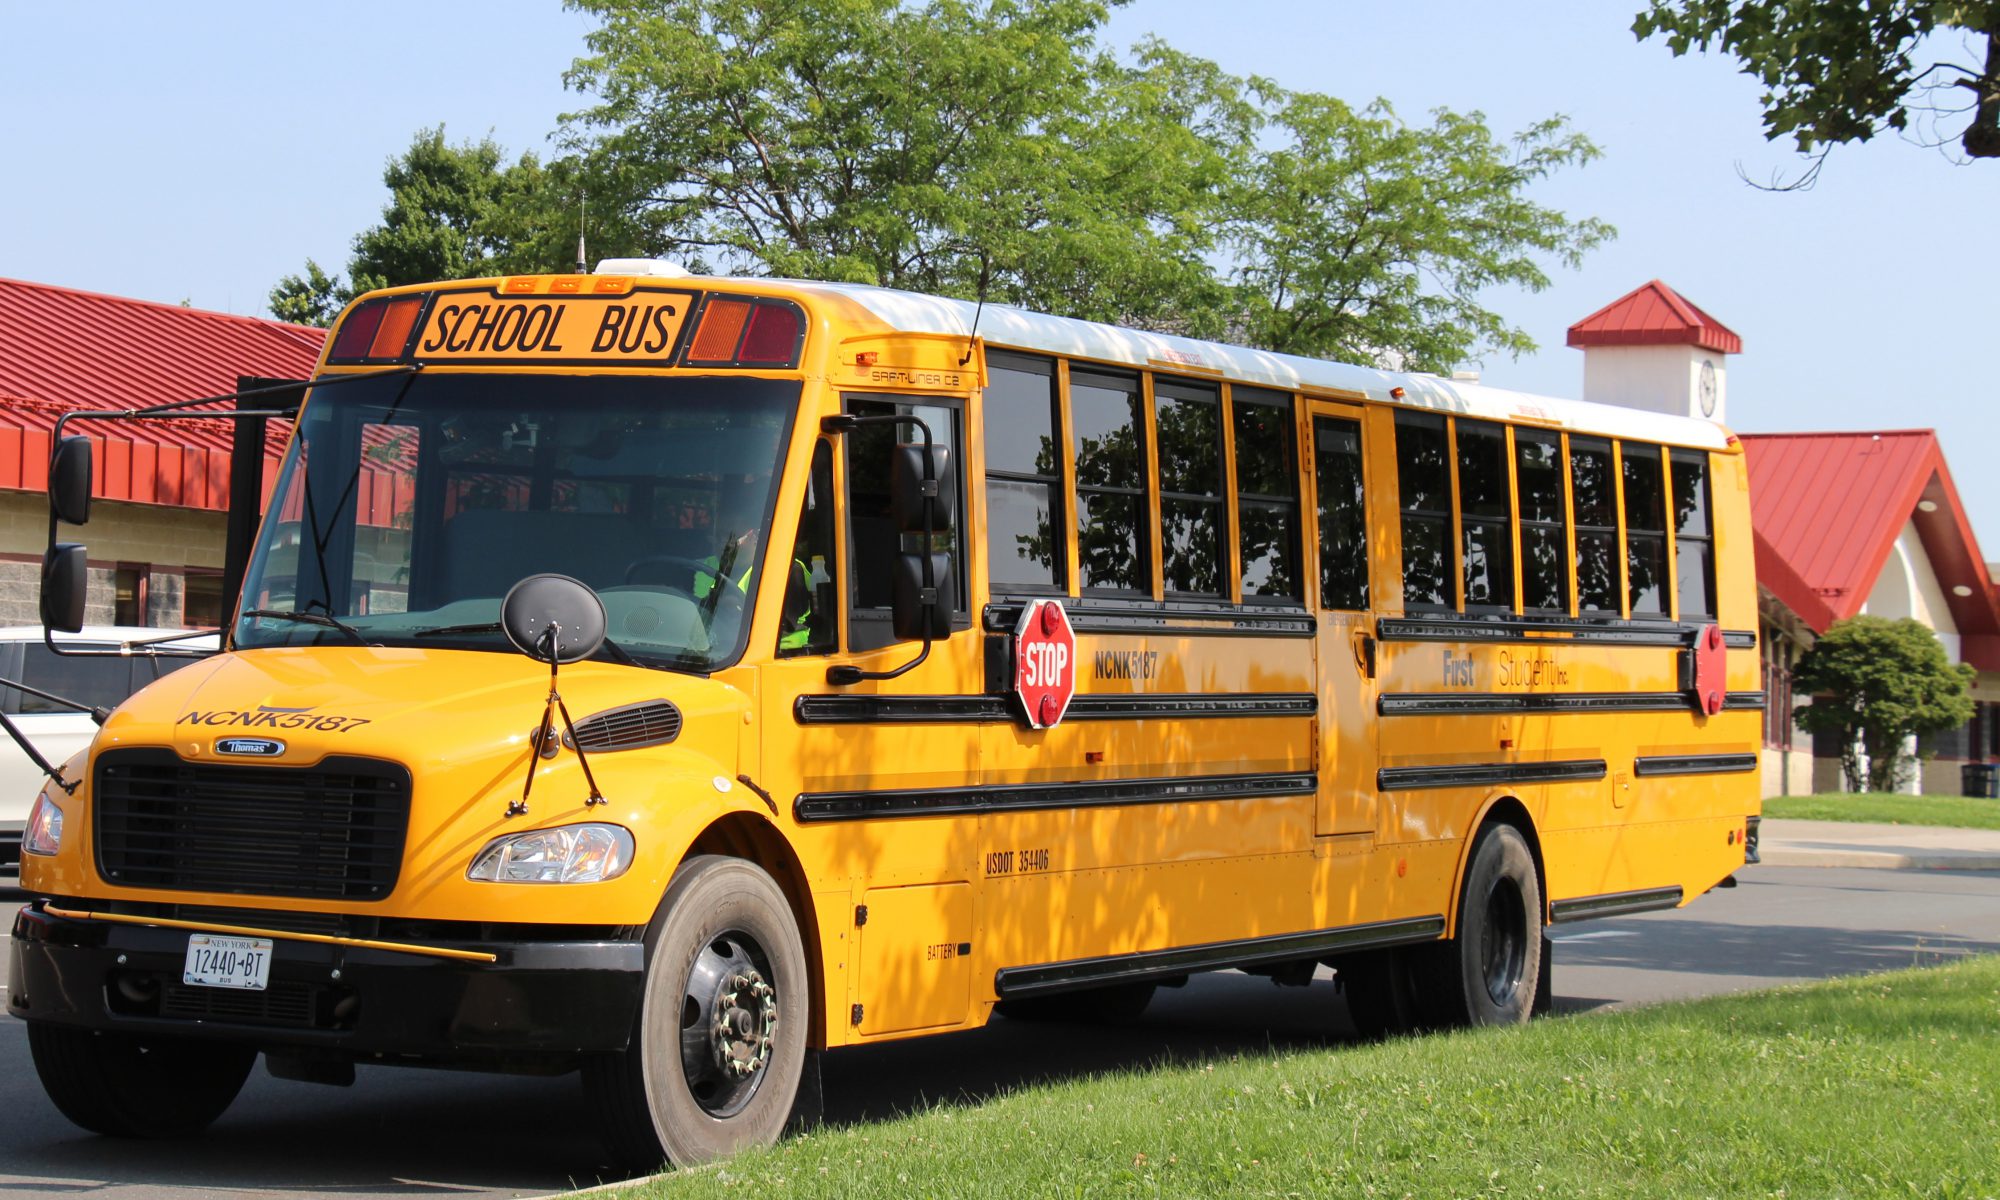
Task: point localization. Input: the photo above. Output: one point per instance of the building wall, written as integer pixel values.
(1909, 587)
(1654, 378)
(162, 540)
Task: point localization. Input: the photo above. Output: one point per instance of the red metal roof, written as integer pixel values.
(1828, 507)
(63, 349)
(1654, 315)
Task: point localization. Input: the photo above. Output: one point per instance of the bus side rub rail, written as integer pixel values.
(1393, 779)
(1613, 904)
(1693, 764)
(1012, 983)
(1146, 617)
(970, 709)
(933, 802)
(1553, 629)
(1444, 704)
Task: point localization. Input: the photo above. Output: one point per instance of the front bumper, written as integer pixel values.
(539, 1003)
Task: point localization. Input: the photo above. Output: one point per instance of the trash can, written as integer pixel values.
(1982, 779)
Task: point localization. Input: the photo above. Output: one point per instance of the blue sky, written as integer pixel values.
(200, 151)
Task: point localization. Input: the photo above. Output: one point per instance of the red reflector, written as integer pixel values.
(721, 323)
(773, 337)
(357, 332)
(397, 318)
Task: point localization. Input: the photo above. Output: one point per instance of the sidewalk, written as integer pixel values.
(1784, 843)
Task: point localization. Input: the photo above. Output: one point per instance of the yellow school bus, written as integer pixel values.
(673, 678)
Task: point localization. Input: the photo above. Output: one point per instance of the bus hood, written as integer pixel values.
(431, 710)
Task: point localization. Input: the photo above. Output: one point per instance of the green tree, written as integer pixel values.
(1875, 684)
(994, 147)
(949, 147)
(455, 211)
(314, 298)
(1362, 238)
(1840, 71)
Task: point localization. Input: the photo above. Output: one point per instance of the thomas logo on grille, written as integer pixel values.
(250, 747)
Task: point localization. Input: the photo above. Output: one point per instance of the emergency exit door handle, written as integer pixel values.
(1364, 653)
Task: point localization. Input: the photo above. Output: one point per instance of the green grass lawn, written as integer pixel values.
(1965, 812)
(1886, 1085)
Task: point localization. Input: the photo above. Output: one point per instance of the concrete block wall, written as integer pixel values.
(166, 539)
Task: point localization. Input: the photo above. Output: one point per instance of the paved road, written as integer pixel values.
(418, 1133)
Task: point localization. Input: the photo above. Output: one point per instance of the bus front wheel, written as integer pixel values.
(719, 1044)
(137, 1086)
(1490, 972)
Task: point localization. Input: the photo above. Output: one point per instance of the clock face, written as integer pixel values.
(1706, 388)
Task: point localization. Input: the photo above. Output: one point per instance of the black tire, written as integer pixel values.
(1119, 1004)
(1490, 972)
(719, 1044)
(134, 1086)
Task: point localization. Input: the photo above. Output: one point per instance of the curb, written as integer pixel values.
(1886, 860)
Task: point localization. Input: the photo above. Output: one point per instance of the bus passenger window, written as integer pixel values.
(873, 540)
(1188, 421)
(1107, 433)
(1423, 474)
(806, 623)
(1694, 547)
(1024, 526)
(1645, 529)
(1487, 548)
(1596, 496)
(1267, 494)
(1538, 474)
(1343, 515)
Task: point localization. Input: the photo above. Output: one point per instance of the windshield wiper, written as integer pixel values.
(617, 652)
(310, 618)
(444, 630)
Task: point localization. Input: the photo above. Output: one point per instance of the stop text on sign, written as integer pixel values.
(1045, 664)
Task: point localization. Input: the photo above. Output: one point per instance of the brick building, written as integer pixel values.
(161, 488)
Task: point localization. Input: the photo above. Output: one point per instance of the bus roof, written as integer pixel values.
(1014, 328)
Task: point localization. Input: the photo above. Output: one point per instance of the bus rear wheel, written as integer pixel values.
(719, 1044)
(137, 1086)
(1489, 974)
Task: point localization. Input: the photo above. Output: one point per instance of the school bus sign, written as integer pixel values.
(1044, 662)
(482, 327)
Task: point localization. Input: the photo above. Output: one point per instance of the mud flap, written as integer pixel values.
(809, 1108)
(1545, 985)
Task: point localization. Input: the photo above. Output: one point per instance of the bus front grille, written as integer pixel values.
(333, 831)
(284, 1002)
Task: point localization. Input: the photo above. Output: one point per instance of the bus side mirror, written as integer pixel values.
(69, 480)
(912, 619)
(65, 580)
(908, 489)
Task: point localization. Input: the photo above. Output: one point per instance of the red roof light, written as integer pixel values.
(773, 337)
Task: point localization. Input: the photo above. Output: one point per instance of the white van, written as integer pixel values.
(59, 730)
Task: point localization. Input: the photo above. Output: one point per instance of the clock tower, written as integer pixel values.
(1652, 349)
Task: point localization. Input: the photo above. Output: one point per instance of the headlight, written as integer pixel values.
(44, 833)
(566, 854)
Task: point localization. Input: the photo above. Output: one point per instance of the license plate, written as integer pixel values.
(228, 962)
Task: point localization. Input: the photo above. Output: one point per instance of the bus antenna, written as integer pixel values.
(972, 336)
(582, 207)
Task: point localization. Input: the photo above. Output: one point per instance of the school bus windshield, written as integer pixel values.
(408, 506)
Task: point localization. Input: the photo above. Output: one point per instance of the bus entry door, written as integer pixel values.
(1347, 649)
